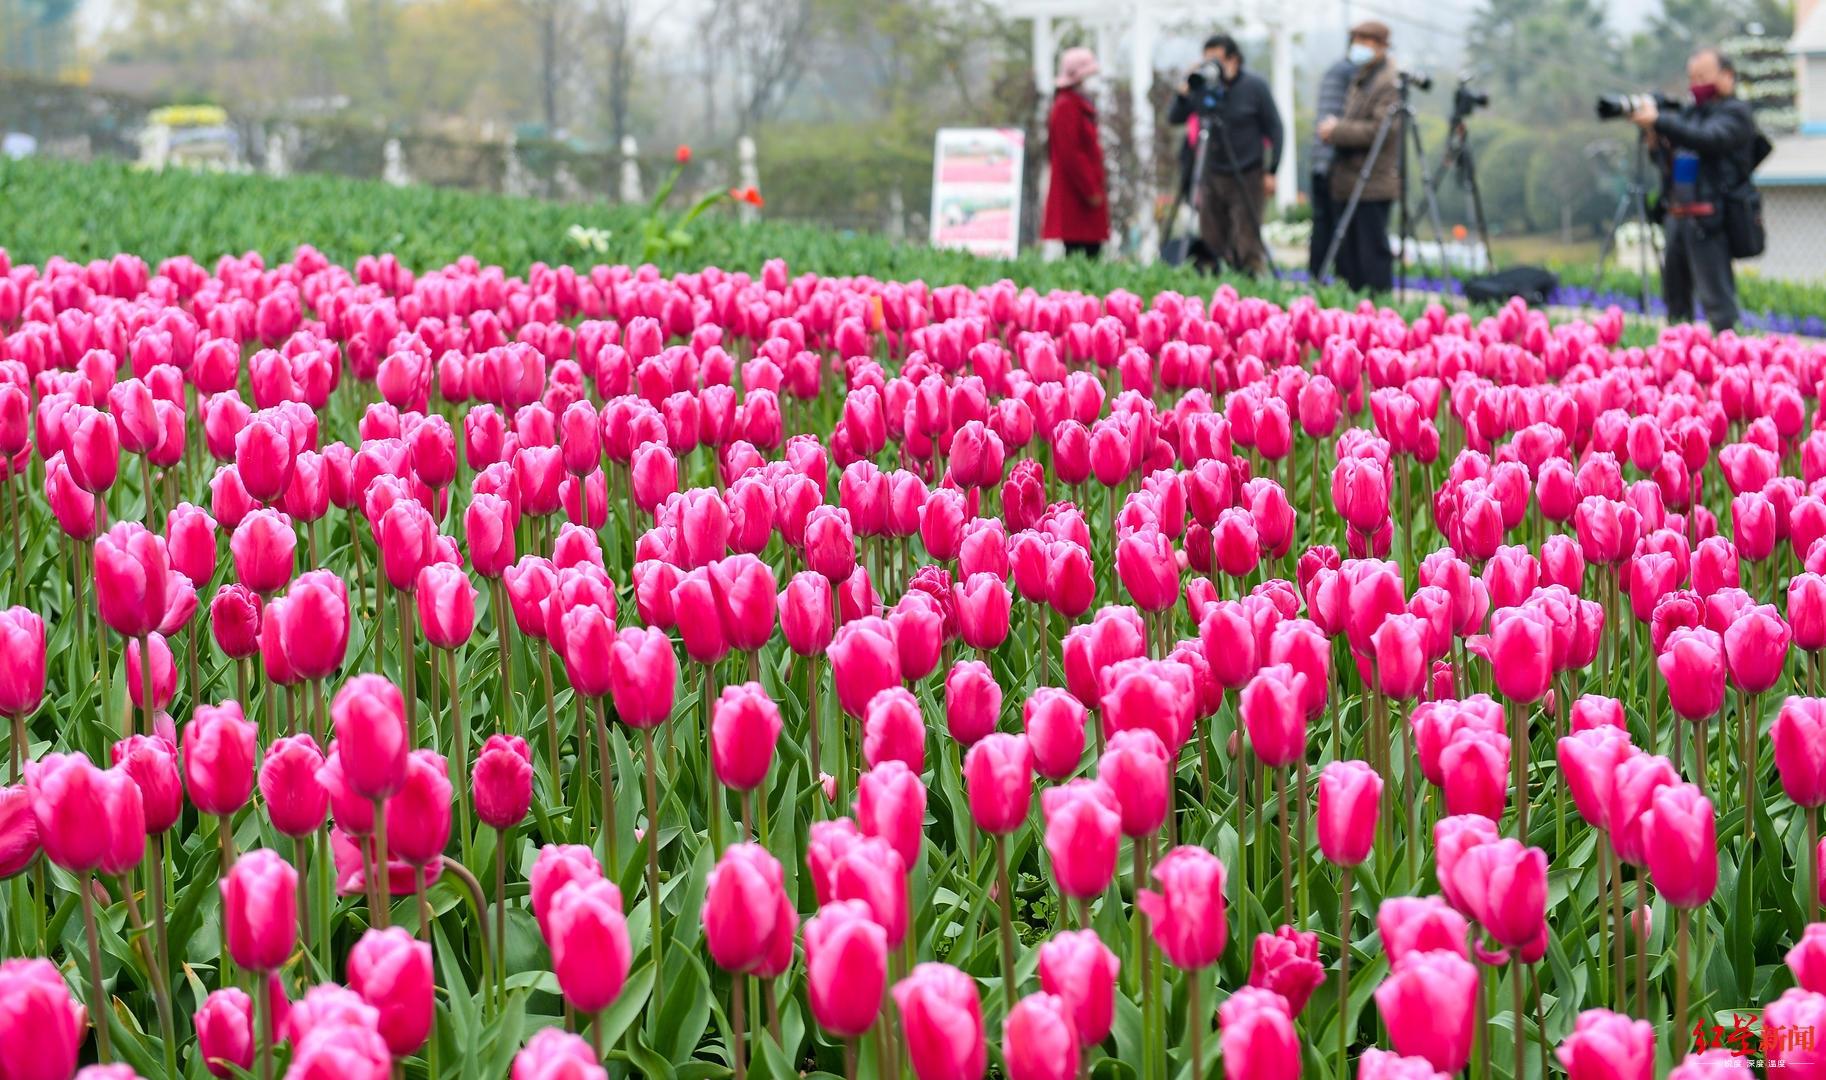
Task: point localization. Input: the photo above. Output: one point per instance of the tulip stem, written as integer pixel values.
(1344, 1014)
(383, 875)
(659, 937)
(849, 1060)
(1813, 863)
(1519, 989)
(498, 593)
(1280, 788)
(145, 685)
(609, 831)
(98, 1005)
(551, 728)
(500, 943)
(459, 728)
(812, 725)
(161, 992)
(1682, 928)
(263, 1026)
(738, 1024)
(1195, 1021)
(304, 893)
(406, 665)
(1007, 927)
(18, 747)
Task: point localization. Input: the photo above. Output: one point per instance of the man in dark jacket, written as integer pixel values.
(1705, 152)
(1242, 151)
(1364, 261)
(1334, 86)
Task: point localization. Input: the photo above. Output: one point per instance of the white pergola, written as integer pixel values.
(1125, 34)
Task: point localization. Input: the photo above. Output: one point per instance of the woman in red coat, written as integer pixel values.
(1077, 198)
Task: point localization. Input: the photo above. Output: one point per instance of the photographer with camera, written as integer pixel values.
(1364, 260)
(1334, 87)
(1706, 152)
(1231, 114)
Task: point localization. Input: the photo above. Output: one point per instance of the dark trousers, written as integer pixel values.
(1229, 213)
(1364, 260)
(1325, 211)
(1079, 247)
(1698, 262)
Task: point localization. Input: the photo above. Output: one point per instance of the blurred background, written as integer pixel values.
(839, 99)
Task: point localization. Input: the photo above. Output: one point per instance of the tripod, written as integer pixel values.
(1632, 205)
(1457, 156)
(1207, 121)
(1403, 111)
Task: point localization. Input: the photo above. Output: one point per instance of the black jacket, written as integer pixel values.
(1722, 133)
(1252, 127)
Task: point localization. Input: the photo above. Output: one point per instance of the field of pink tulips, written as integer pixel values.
(585, 673)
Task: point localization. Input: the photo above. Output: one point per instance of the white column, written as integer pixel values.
(1043, 46)
(750, 174)
(630, 170)
(1043, 55)
(1141, 114)
(1287, 179)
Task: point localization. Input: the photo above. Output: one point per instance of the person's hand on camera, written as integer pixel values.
(1268, 183)
(1327, 126)
(1645, 114)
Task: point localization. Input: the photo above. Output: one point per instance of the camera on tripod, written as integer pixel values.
(1616, 106)
(1205, 85)
(1466, 100)
(1419, 80)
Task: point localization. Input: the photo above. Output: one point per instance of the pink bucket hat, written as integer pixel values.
(1075, 65)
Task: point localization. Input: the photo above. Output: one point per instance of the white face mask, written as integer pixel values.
(1091, 84)
(1360, 54)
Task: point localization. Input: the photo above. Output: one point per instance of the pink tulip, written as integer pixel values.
(262, 546)
(152, 764)
(643, 676)
(1274, 715)
(1588, 761)
(743, 730)
(998, 776)
(164, 674)
(555, 1054)
(1428, 1002)
(941, 1021)
(746, 910)
(225, 1032)
(314, 624)
(133, 579)
(1258, 1036)
(1417, 924)
(502, 781)
(864, 660)
(1475, 765)
(871, 871)
(446, 605)
(220, 746)
(1287, 962)
(846, 967)
(1187, 915)
(1503, 886)
(369, 714)
(973, 702)
(1520, 654)
(891, 805)
(1078, 967)
(588, 937)
(1350, 796)
(260, 908)
(1756, 646)
(296, 800)
(1136, 769)
(1680, 835)
(1039, 1041)
(392, 973)
(1054, 723)
(1609, 1046)
(1082, 834)
(22, 669)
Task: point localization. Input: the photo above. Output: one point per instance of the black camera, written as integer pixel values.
(1205, 86)
(1615, 106)
(1419, 80)
(1465, 100)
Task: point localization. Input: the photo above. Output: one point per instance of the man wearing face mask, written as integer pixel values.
(1364, 260)
(1242, 151)
(1706, 153)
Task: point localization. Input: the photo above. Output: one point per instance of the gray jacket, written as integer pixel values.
(1334, 87)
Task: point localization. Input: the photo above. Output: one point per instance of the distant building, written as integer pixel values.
(1793, 179)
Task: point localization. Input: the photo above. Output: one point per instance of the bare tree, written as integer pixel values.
(769, 41)
(611, 29)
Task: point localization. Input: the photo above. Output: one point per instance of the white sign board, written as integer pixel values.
(976, 190)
